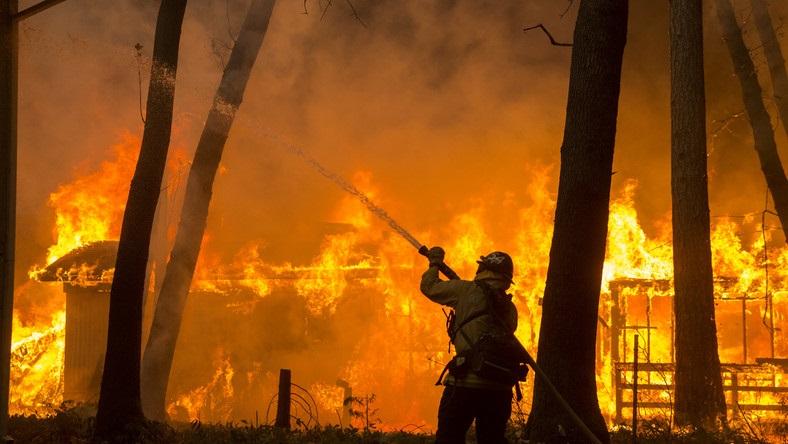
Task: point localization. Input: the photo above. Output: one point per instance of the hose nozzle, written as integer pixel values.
(442, 267)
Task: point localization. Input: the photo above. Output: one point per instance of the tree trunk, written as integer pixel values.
(699, 400)
(762, 130)
(119, 406)
(571, 300)
(774, 57)
(9, 71)
(160, 349)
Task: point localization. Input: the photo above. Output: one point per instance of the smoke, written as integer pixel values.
(347, 187)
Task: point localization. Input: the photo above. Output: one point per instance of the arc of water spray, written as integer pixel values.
(355, 192)
(351, 189)
(445, 269)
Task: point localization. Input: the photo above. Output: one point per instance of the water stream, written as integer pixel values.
(338, 180)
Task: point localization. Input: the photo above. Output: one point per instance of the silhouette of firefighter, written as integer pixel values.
(489, 361)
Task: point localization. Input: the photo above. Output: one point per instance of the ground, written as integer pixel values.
(69, 427)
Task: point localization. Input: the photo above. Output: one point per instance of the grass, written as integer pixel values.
(71, 427)
(658, 431)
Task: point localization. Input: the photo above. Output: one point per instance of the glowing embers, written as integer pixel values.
(37, 368)
(212, 401)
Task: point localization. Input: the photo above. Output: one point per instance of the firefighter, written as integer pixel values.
(481, 309)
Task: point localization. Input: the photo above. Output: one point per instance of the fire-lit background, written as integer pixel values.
(444, 112)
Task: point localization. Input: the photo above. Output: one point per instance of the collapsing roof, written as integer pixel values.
(92, 262)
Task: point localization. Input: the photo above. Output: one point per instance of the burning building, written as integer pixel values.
(86, 277)
(638, 341)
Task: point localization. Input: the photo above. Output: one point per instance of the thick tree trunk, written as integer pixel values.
(160, 349)
(9, 71)
(774, 57)
(119, 406)
(699, 400)
(765, 145)
(574, 276)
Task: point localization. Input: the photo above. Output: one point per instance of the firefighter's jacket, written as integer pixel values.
(467, 298)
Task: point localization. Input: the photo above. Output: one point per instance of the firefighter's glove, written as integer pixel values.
(436, 256)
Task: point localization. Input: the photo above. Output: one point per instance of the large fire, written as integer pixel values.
(362, 319)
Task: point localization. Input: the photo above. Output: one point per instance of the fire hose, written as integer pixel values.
(451, 274)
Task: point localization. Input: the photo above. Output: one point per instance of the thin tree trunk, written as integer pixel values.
(119, 406)
(765, 145)
(571, 300)
(160, 349)
(774, 57)
(699, 400)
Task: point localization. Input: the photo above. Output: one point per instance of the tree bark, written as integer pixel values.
(9, 71)
(699, 400)
(571, 299)
(763, 134)
(774, 57)
(119, 409)
(160, 349)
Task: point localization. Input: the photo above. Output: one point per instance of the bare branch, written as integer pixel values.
(568, 7)
(547, 33)
(229, 25)
(725, 123)
(324, 9)
(355, 13)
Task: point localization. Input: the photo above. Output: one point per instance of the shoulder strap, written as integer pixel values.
(486, 310)
(494, 315)
(488, 293)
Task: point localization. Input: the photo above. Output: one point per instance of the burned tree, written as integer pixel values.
(774, 58)
(160, 349)
(119, 406)
(762, 130)
(699, 400)
(571, 300)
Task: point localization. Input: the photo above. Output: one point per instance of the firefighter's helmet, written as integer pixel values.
(497, 262)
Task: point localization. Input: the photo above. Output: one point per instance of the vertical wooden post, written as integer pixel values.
(744, 328)
(770, 300)
(735, 395)
(8, 103)
(615, 329)
(635, 391)
(283, 401)
(617, 384)
(347, 402)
